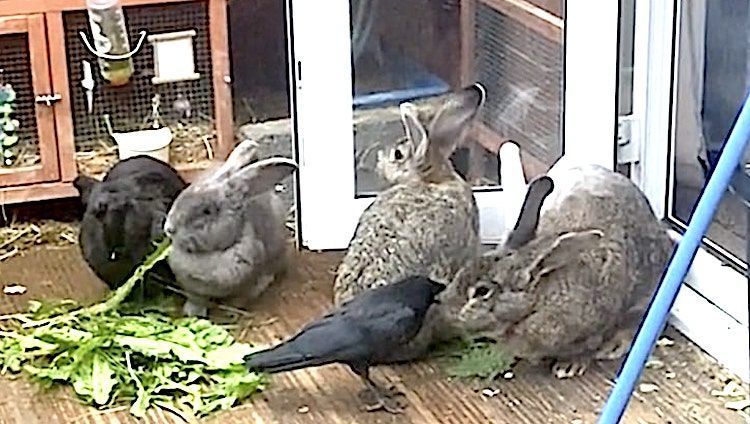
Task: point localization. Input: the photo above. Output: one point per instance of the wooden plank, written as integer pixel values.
(219, 34)
(19, 7)
(63, 110)
(20, 175)
(56, 190)
(532, 16)
(45, 117)
(554, 7)
(36, 192)
(13, 24)
(468, 41)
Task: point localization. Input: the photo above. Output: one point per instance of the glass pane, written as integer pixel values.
(417, 50)
(260, 83)
(625, 87)
(627, 33)
(713, 77)
(18, 126)
(260, 80)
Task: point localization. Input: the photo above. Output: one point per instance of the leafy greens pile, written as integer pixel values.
(469, 358)
(188, 366)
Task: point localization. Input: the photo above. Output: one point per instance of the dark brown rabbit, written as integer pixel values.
(427, 222)
(574, 287)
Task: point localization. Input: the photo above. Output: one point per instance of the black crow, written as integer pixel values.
(360, 333)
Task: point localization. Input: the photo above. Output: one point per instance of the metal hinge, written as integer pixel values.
(628, 143)
(48, 99)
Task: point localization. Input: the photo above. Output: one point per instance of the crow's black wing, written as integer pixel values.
(387, 325)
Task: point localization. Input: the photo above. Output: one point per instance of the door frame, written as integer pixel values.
(321, 85)
(714, 316)
(48, 169)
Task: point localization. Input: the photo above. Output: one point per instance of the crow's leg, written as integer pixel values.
(375, 396)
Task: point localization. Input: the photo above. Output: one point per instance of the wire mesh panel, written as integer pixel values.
(522, 71)
(130, 106)
(15, 69)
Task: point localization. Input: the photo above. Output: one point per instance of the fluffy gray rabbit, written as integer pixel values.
(427, 222)
(124, 214)
(572, 284)
(227, 231)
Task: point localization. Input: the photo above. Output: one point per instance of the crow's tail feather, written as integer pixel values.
(282, 358)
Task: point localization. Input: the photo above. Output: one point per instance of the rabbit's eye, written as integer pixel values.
(397, 154)
(206, 210)
(481, 292)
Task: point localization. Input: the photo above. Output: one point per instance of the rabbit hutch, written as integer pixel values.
(636, 86)
(68, 118)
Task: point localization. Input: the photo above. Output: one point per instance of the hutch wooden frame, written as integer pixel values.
(43, 21)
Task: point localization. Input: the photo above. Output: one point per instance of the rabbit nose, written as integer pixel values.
(168, 228)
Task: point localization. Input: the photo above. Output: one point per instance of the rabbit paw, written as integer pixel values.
(193, 308)
(616, 347)
(569, 369)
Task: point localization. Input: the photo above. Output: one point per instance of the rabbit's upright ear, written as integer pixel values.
(260, 177)
(564, 250)
(84, 185)
(450, 124)
(243, 155)
(528, 218)
(415, 131)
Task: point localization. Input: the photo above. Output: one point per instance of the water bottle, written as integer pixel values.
(110, 34)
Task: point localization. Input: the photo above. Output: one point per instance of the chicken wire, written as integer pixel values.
(522, 71)
(130, 106)
(15, 69)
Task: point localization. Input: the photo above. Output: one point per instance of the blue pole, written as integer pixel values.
(678, 267)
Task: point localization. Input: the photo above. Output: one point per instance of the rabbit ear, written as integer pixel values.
(415, 131)
(528, 218)
(243, 155)
(84, 185)
(260, 177)
(451, 122)
(564, 250)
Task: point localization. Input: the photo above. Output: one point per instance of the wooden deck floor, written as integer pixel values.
(328, 394)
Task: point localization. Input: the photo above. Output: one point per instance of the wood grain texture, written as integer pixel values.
(468, 41)
(13, 24)
(219, 34)
(63, 109)
(42, 84)
(329, 394)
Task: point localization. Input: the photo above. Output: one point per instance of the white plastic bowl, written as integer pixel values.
(151, 142)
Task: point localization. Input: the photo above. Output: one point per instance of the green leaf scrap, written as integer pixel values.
(475, 359)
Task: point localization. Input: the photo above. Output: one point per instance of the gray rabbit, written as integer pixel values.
(427, 222)
(227, 230)
(572, 284)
